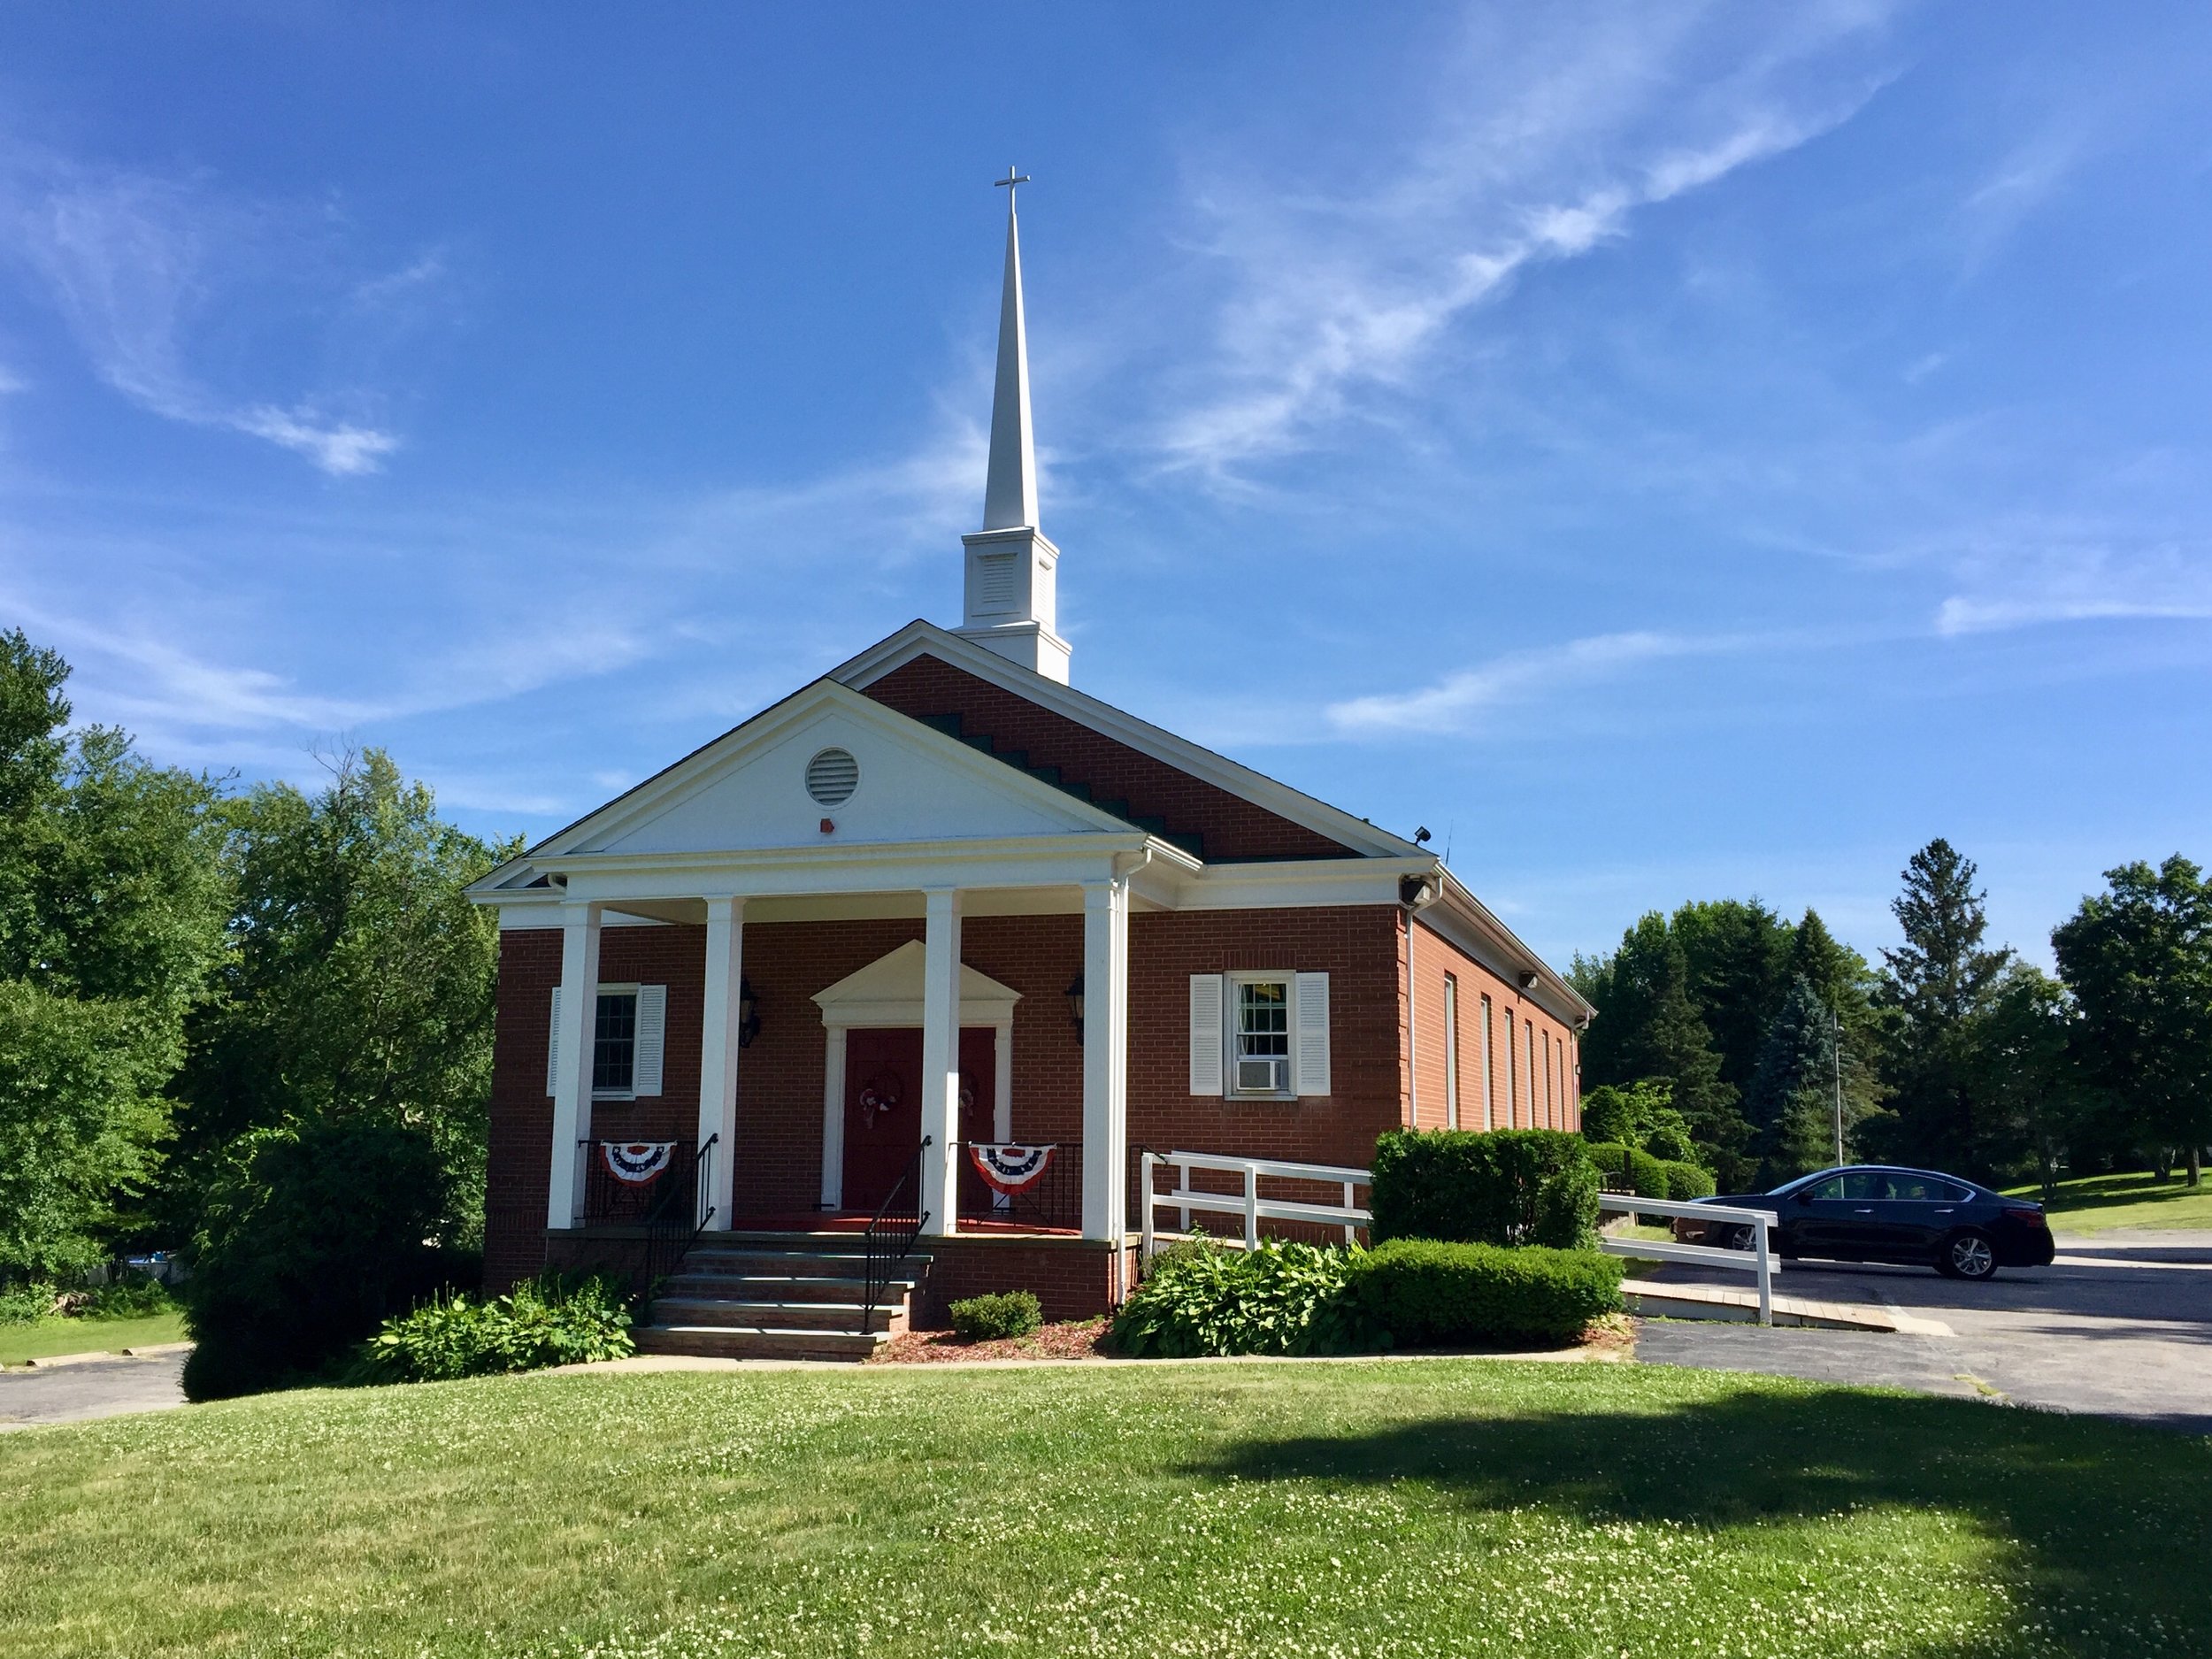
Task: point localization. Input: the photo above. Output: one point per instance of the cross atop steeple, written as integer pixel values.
(1010, 600)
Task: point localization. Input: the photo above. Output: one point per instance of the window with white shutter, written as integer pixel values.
(1205, 1035)
(553, 1047)
(1311, 1029)
(651, 1034)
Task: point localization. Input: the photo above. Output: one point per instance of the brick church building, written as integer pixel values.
(940, 907)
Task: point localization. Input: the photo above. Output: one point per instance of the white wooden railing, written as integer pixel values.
(1249, 1203)
(1759, 1259)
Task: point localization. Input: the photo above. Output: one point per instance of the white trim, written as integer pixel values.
(891, 991)
(1231, 982)
(833, 1120)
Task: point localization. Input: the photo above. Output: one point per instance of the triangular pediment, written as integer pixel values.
(748, 790)
(888, 992)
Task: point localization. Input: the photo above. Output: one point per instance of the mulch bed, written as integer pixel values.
(1073, 1338)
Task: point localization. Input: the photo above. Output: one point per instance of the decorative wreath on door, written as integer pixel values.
(878, 1096)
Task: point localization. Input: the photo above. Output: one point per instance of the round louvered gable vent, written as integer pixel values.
(831, 776)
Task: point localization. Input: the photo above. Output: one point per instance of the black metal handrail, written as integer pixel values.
(1053, 1201)
(891, 1235)
(674, 1224)
(608, 1200)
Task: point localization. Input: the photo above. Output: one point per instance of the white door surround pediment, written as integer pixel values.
(888, 992)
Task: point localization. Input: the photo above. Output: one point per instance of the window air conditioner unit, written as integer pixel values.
(1269, 1075)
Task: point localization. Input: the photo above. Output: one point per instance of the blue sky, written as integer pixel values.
(1670, 452)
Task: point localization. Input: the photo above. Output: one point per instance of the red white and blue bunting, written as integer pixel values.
(637, 1161)
(1010, 1169)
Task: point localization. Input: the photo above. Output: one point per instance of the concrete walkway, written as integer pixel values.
(2120, 1326)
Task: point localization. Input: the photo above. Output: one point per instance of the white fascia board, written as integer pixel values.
(1470, 924)
(918, 639)
(1028, 861)
(1300, 884)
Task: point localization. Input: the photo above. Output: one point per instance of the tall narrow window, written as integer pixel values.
(1528, 1037)
(1451, 1052)
(1512, 1077)
(1551, 1096)
(1489, 1084)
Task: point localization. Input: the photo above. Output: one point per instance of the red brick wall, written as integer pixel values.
(1435, 958)
(779, 1150)
(1232, 827)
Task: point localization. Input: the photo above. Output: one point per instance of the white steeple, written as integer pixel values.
(1010, 601)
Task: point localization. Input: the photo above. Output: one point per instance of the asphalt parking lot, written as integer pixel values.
(2120, 1326)
(102, 1387)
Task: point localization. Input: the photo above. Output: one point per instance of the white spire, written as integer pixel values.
(1010, 587)
(1010, 493)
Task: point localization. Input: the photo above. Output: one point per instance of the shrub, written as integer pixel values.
(1425, 1292)
(1283, 1297)
(1654, 1177)
(128, 1296)
(556, 1319)
(1687, 1181)
(311, 1239)
(25, 1301)
(1489, 1187)
(1643, 1115)
(988, 1318)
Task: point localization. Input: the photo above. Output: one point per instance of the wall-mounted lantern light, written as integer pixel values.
(748, 1013)
(1075, 1004)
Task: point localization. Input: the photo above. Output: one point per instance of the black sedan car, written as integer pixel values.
(1874, 1213)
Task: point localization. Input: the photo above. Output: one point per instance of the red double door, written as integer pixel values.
(883, 1111)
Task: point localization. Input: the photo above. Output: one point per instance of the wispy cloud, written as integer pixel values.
(2030, 583)
(141, 266)
(1517, 676)
(1340, 290)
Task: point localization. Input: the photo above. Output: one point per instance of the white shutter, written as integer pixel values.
(652, 1027)
(553, 1047)
(1311, 1033)
(1205, 1035)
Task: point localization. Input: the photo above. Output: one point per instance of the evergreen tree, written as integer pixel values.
(1847, 984)
(1939, 983)
(1737, 952)
(1791, 1102)
(1655, 1031)
(2138, 958)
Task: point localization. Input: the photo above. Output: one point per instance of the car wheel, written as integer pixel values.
(1735, 1238)
(1967, 1256)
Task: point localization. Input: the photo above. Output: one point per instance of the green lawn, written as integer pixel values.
(44, 1337)
(2096, 1203)
(1413, 1508)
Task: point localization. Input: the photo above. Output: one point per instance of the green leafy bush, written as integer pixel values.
(1643, 1115)
(987, 1319)
(1653, 1177)
(25, 1301)
(130, 1296)
(1283, 1297)
(554, 1319)
(312, 1238)
(1491, 1186)
(1428, 1292)
(1688, 1181)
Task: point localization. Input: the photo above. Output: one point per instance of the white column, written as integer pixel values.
(571, 1068)
(1105, 1059)
(941, 1057)
(718, 1054)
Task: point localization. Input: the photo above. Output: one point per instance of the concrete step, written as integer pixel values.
(795, 1264)
(790, 1316)
(781, 1287)
(767, 1342)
